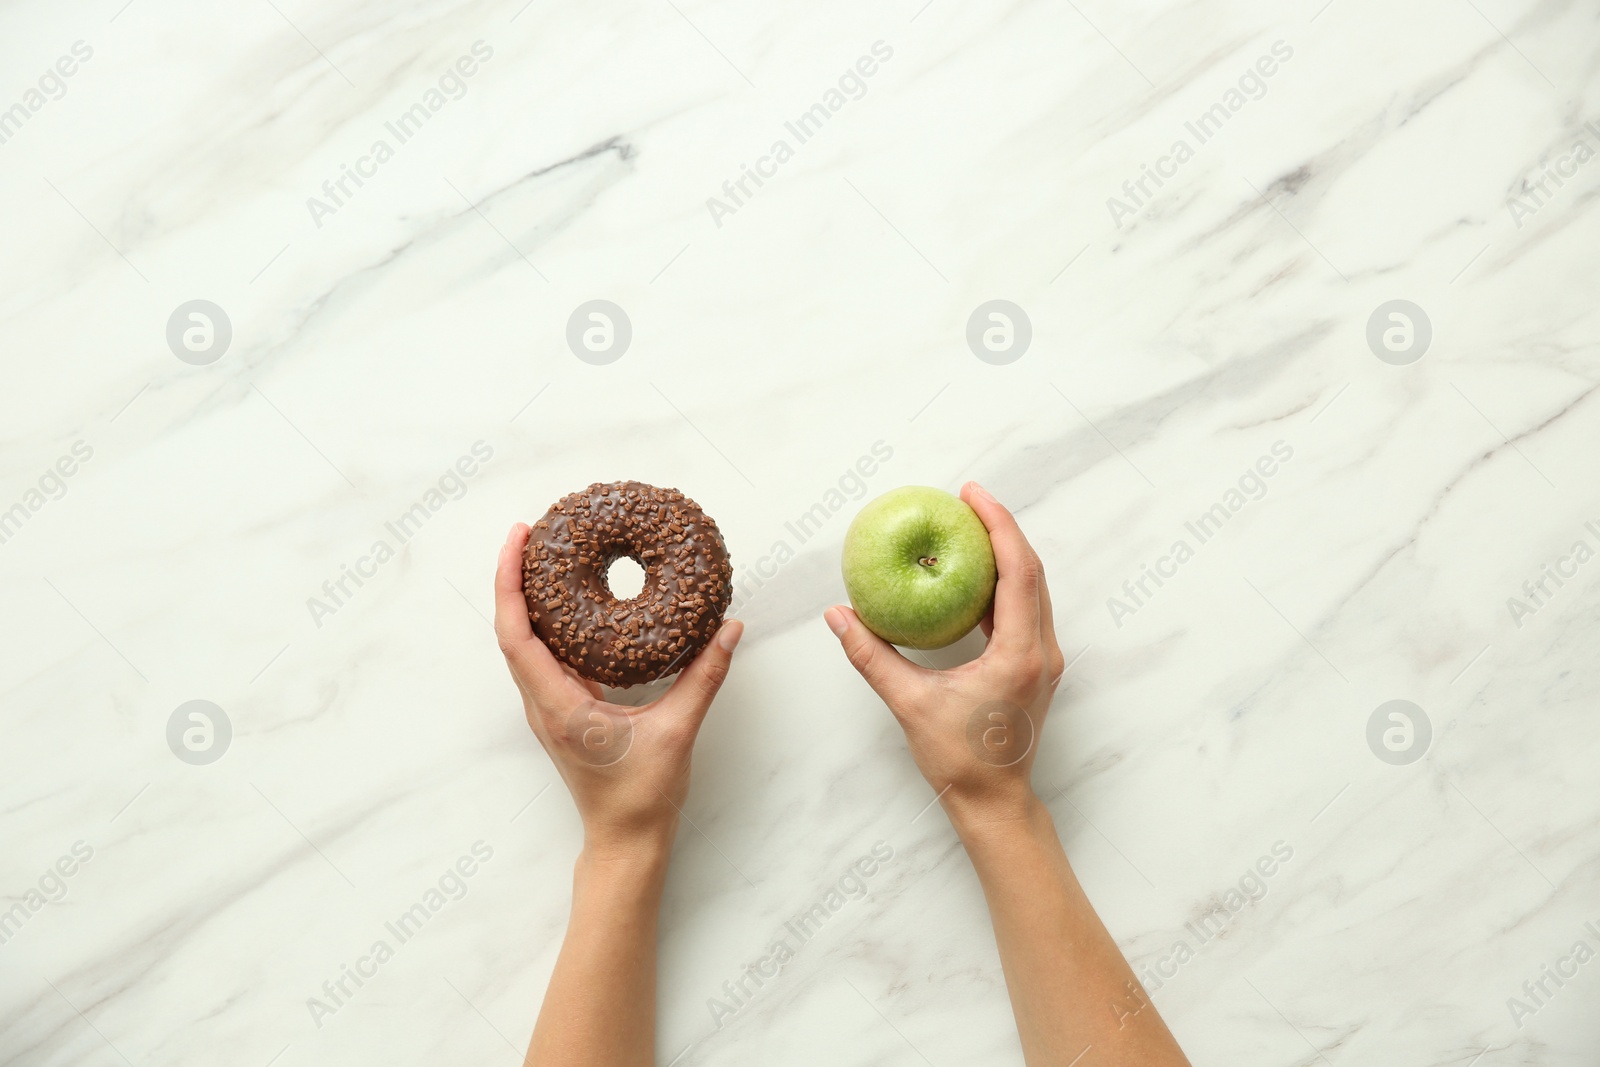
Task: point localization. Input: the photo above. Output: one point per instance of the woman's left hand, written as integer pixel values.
(626, 767)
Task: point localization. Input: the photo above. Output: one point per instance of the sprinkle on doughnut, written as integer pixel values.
(688, 581)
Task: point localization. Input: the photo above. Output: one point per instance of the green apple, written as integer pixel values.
(919, 567)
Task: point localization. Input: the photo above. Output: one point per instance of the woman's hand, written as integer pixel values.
(627, 768)
(974, 730)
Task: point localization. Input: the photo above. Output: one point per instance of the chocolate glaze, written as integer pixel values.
(688, 581)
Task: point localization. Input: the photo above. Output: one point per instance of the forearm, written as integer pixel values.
(1070, 987)
(599, 1010)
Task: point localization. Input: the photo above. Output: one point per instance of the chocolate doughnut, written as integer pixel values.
(688, 581)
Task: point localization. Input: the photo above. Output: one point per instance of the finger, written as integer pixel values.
(591, 687)
(986, 624)
(699, 682)
(889, 673)
(531, 662)
(1047, 612)
(1047, 625)
(510, 606)
(1016, 594)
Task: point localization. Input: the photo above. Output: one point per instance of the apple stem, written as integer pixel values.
(928, 561)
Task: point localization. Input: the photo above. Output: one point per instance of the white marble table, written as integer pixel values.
(392, 212)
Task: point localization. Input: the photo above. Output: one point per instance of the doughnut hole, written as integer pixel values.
(625, 578)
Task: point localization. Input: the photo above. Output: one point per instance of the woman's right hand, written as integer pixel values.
(974, 730)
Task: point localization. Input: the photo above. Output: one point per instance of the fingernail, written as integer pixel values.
(728, 636)
(836, 621)
(983, 493)
(512, 532)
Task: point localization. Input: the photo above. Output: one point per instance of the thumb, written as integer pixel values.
(699, 682)
(888, 672)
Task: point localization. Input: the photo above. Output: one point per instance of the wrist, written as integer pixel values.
(619, 851)
(995, 812)
(618, 881)
(620, 886)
